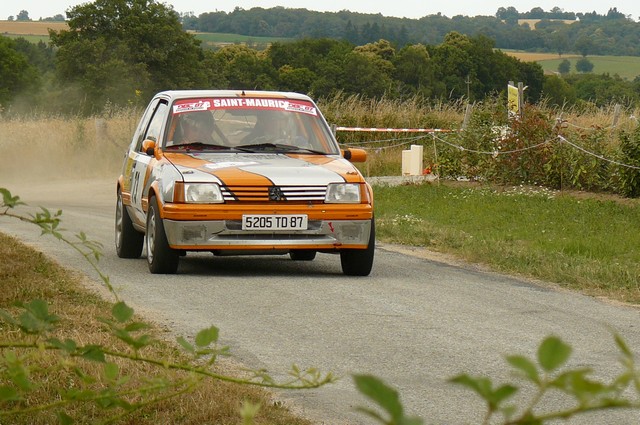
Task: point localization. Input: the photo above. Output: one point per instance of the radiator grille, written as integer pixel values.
(262, 193)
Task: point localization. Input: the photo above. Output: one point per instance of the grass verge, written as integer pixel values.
(587, 243)
(26, 275)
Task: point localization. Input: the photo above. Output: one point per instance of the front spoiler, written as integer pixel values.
(228, 234)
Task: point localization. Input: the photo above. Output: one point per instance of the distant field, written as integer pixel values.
(38, 31)
(533, 22)
(627, 67)
(210, 39)
(22, 28)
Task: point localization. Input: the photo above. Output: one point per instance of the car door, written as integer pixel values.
(141, 161)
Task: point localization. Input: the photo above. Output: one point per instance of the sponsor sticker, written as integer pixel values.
(191, 105)
(245, 103)
(219, 165)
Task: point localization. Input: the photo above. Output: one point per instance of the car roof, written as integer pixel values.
(187, 94)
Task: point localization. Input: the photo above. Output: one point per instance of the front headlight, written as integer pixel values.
(343, 193)
(202, 193)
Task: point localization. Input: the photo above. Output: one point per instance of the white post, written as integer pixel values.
(412, 161)
(406, 160)
(415, 169)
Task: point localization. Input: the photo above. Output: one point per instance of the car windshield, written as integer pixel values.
(249, 125)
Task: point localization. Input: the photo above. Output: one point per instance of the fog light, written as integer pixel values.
(351, 231)
(193, 233)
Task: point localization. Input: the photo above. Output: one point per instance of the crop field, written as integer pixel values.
(212, 40)
(627, 67)
(39, 31)
(21, 28)
(533, 22)
(537, 57)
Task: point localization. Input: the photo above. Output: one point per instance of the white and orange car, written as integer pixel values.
(241, 172)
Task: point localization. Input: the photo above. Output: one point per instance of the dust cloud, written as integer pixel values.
(44, 150)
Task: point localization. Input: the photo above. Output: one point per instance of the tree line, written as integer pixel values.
(121, 52)
(610, 34)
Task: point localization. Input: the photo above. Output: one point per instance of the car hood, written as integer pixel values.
(263, 169)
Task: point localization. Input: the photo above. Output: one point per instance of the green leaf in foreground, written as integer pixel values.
(553, 353)
(526, 366)
(122, 312)
(8, 200)
(206, 336)
(385, 397)
(483, 387)
(36, 318)
(8, 394)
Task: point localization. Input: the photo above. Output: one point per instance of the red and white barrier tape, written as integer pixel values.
(396, 130)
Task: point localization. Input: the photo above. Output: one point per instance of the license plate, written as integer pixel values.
(274, 222)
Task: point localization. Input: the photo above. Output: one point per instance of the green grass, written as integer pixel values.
(35, 39)
(627, 67)
(583, 243)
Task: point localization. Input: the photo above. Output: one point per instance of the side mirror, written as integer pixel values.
(149, 147)
(355, 155)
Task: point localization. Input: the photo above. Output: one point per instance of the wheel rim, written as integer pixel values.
(119, 215)
(151, 235)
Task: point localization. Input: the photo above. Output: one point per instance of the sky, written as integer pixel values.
(399, 8)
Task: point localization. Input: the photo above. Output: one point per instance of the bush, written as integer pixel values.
(627, 178)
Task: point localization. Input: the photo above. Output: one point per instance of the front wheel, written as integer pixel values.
(161, 258)
(128, 240)
(359, 262)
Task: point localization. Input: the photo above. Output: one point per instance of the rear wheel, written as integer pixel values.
(129, 241)
(359, 262)
(302, 255)
(161, 258)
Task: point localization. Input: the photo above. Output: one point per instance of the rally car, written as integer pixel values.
(237, 173)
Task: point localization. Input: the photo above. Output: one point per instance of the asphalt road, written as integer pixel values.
(415, 322)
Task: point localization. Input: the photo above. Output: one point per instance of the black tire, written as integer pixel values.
(129, 241)
(161, 258)
(302, 255)
(359, 262)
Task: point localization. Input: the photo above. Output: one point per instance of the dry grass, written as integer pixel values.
(31, 27)
(26, 275)
(36, 148)
(533, 22)
(612, 118)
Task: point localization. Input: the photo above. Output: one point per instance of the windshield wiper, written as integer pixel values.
(199, 146)
(280, 147)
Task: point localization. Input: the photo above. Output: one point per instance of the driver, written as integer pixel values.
(269, 127)
(195, 127)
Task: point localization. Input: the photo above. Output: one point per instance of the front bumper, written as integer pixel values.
(228, 235)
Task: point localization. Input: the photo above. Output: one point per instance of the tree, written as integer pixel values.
(559, 42)
(56, 18)
(564, 67)
(557, 91)
(584, 45)
(296, 79)
(245, 68)
(23, 16)
(18, 75)
(508, 14)
(362, 74)
(584, 65)
(381, 48)
(115, 48)
(413, 68)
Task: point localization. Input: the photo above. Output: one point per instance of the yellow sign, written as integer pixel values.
(513, 98)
